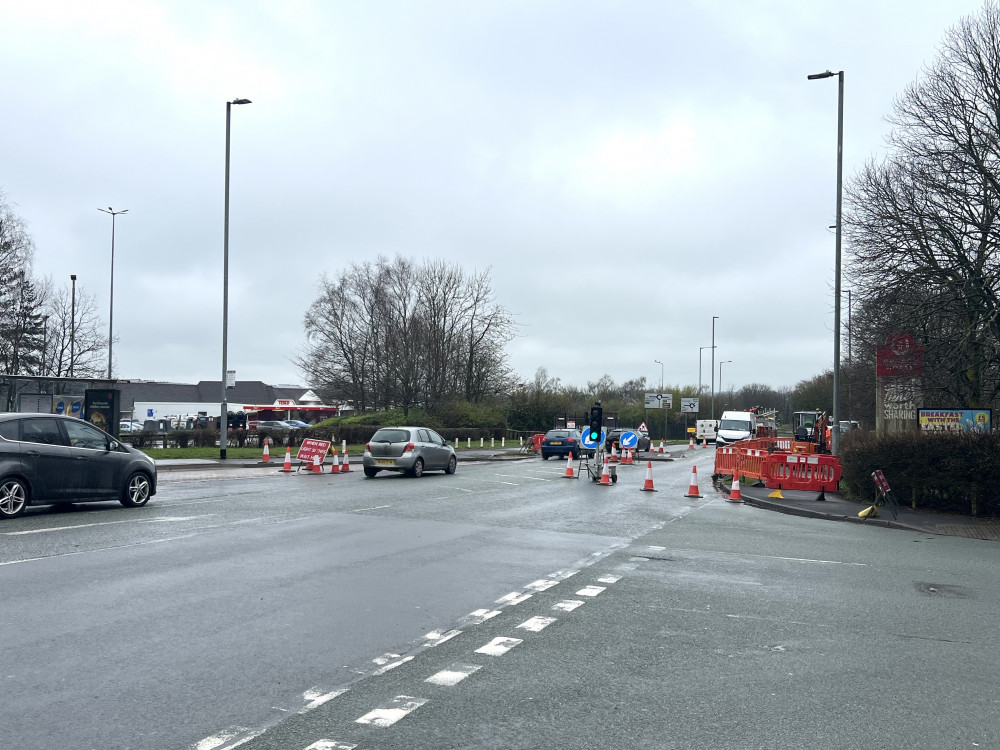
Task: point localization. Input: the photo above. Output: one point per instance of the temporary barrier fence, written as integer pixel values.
(780, 463)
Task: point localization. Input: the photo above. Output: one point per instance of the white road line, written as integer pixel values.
(540, 585)
(562, 575)
(567, 605)
(609, 579)
(590, 591)
(478, 617)
(453, 675)
(314, 698)
(523, 476)
(626, 566)
(513, 484)
(392, 665)
(399, 708)
(167, 519)
(499, 646)
(537, 624)
(514, 597)
(220, 739)
(374, 507)
(436, 637)
(330, 745)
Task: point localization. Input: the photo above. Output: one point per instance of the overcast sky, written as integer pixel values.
(668, 157)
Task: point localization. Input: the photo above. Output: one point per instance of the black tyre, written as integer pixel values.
(418, 468)
(614, 479)
(545, 456)
(13, 498)
(452, 465)
(370, 472)
(136, 492)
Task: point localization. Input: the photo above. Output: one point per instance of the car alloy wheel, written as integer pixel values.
(13, 498)
(452, 465)
(418, 468)
(136, 493)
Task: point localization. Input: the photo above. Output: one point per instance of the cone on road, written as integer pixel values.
(704, 441)
(569, 467)
(614, 454)
(661, 446)
(647, 486)
(346, 466)
(691, 443)
(627, 457)
(317, 465)
(335, 468)
(606, 474)
(693, 489)
(734, 493)
(266, 458)
(288, 461)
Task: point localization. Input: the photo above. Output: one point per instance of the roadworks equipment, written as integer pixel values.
(647, 486)
(317, 465)
(346, 466)
(627, 457)
(569, 467)
(614, 454)
(693, 489)
(606, 474)
(777, 495)
(734, 493)
(266, 458)
(335, 468)
(661, 446)
(691, 444)
(287, 468)
(870, 512)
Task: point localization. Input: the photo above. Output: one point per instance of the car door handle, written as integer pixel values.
(80, 458)
(32, 453)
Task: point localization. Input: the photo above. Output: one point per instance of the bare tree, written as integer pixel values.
(85, 340)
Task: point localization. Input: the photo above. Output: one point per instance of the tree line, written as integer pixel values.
(44, 330)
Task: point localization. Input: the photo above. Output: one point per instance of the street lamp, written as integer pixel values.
(661, 373)
(714, 318)
(661, 393)
(72, 324)
(726, 362)
(223, 418)
(835, 442)
(111, 310)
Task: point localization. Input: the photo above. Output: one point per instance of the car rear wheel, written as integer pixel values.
(136, 492)
(418, 468)
(370, 472)
(452, 465)
(13, 498)
(545, 456)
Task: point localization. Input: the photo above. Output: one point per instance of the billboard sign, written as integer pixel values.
(954, 420)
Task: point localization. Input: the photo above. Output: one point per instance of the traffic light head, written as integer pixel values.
(596, 419)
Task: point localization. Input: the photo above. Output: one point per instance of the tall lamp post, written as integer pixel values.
(700, 350)
(111, 306)
(661, 391)
(714, 318)
(835, 442)
(72, 324)
(223, 418)
(726, 362)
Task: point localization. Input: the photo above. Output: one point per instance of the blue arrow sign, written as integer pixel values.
(588, 443)
(629, 440)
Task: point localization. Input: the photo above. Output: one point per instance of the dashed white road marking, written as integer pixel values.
(499, 646)
(590, 591)
(221, 738)
(537, 624)
(374, 507)
(515, 484)
(453, 675)
(164, 519)
(478, 617)
(314, 698)
(609, 579)
(567, 605)
(330, 745)
(399, 708)
(540, 585)
(392, 665)
(514, 597)
(562, 575)
(654, 548)
(435, 637)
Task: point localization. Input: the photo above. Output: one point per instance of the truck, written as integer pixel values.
(736, 425)
(705, 430)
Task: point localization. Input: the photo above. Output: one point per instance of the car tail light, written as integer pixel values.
(368, 447)
(570, 440)
(409, 447)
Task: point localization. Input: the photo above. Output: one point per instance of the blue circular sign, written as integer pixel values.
(629, 440)
(588, 443)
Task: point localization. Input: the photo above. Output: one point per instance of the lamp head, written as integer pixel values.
(247, 101)
(817, 76)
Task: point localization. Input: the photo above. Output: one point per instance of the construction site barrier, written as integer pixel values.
(780, 463)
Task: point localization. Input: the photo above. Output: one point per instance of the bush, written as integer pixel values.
(948, 472)
(206, 437)
(180, 437)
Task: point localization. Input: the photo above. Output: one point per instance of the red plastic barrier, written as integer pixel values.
(793, 471)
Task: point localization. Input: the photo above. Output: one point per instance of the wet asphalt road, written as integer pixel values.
(229, 607)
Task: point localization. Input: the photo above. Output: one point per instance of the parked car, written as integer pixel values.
(127, 426)
(47, 459)
(562, 443)
(412, 450)
(615, 437)
(273, 424)
(297, 424)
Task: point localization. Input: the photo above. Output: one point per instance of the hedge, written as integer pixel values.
(945, 472)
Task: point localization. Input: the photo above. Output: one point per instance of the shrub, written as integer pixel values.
(181, 437)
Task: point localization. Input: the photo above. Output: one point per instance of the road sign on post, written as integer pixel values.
(689, 406)
(659, 401)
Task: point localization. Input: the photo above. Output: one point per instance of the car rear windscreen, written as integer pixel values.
(391, 436)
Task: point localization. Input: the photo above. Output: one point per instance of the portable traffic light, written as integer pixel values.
(596, 419)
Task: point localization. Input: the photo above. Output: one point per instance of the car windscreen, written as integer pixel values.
(391, 436)
(735, 424)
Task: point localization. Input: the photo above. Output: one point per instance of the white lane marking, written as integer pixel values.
(167, 519)
(638, 559)
(609, 579)
(314, 698)
(385, 658)
(499, 646)
(453, 675)
(330, 745)
(567, 605)
(514, 597)
(374, 507)
(537, 624)
(524, 476)
(220, 739)
(392, 665)
(654, 548)
(464, 490)
(478, 617)
(590, 591)
(562, 575)
(540, 585)
(515, 484)
(436, 637)
(386, 717)
(626, 566)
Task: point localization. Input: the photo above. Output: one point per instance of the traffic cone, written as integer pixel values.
(569, 467)
(704, 441)
(693, 489)
(606, 474)
(346, 466)
(288, 461)
(648, 484)
(614, 454)
(691, 443)
(335, 468)
(734, 493)
(266, 459)
(627, 457)
(661, 446)
(317, 465)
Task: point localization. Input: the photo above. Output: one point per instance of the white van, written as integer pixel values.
(735, 425)
(705, 429)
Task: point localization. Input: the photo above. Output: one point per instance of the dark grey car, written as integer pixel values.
(48, 458)
(408, 449)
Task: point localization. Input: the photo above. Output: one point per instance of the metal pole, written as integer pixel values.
(661, 394)
(72, 325)
(714, 318)
(111, 305)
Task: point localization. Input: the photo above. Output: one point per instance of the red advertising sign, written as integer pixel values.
(899, 357)
(311, 448)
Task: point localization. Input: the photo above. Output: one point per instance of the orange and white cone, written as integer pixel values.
(606, 474)
(691, 443)
(614, 454)
(288, 460)
(346, 466)
(704, 441)
(648, 484)
(266, 458)
(317, 465)
(569, 467)
(693, 489)
(734, 493)
(661, 446)
(335, 469)
(627, 457)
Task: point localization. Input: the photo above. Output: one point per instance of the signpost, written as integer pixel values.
(659, 401)
(689, 406)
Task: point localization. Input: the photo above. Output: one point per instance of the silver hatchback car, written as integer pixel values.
(412, 450)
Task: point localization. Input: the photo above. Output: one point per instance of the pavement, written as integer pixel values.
(834, 507)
